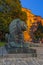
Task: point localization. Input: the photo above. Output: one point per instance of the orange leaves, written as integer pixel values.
(26, 36)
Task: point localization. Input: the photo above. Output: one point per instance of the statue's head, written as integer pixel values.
(17, 22)
(21, 24)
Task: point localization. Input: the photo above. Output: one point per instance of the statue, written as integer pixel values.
(16, 29)
(15, 38)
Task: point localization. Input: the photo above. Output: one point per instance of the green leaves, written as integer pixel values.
(39, 32)
(9, 10)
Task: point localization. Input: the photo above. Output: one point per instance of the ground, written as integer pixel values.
(18, 60)
(21, 61)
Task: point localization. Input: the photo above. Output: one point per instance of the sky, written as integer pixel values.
(36, 6)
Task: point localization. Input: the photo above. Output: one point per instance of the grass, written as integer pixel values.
(2, 44)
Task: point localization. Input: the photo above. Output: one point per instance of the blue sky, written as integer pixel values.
(36, 6)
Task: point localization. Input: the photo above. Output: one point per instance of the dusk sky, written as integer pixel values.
(36, 6)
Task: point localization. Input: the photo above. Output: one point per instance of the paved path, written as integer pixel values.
(21, 61)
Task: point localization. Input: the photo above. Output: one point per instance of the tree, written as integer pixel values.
(9, 10)
(38, 34)
(23, 16)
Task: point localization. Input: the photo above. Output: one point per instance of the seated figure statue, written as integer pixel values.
(16, 39)
(15, 36)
